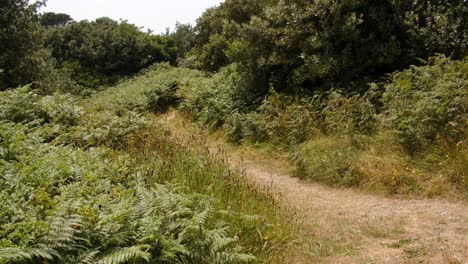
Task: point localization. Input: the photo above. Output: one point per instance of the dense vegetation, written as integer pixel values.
(100, 181)
(403, 136)
(302, 45)
(363, 94)
(101, 51)
(56, 53)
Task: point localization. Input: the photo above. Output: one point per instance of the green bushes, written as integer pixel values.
(20, 106)
(101, 52)
(416, 144)
(316, 46)
(64, 204)
(208, 100)
(421, 111)
(162, 97)
(23, 105)
(349, 115)
(428, 102)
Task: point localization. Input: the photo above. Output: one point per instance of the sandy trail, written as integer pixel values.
(385, 230)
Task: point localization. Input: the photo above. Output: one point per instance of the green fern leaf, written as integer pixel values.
(124, 255)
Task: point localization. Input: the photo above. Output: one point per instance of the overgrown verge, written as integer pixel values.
(82, 182)
(261, 225)
(405, 135)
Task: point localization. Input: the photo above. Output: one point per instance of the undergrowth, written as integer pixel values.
(405, 135)
(97, 181)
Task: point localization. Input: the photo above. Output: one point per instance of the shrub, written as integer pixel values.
(250, 126)
(64, 204)
(61, 109)
(289, 120)
(162, 97)
(429, 101)
(24, 105)
(20, 106)
(208, 100)
(348, 115)
(14, 141)
(105, 128)
(234, 128)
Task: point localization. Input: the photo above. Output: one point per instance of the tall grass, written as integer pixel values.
(264, 228)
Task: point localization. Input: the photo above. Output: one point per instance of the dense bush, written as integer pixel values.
(163, 96)
(106, 128)
(101, 51)
(20, 42)
(63, 204)
(208, 100)
(355, 114)
(428, 102)
(296, 45)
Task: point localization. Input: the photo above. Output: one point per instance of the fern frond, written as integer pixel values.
(63, 232)
(125, 255)
(88, 257)
(8, 255)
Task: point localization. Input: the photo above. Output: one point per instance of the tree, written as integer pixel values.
(184, 38)
(50, 19)
(299, 45)
(100, 51)
(20, 43)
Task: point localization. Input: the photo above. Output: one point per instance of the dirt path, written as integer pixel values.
(393, 230)
(348, 226)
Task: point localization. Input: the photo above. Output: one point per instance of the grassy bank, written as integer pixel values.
(95, 180)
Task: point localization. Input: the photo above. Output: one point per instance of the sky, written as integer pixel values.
(156, 15)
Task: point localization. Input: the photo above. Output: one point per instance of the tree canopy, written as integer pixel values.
(20, 42)
(105, 47)
(297, 44)
(50, 19)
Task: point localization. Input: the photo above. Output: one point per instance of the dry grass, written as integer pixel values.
(378, 164)
(343, 225)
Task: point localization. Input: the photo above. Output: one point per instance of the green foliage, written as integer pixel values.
(208, 100)
(351, 115)
(298, 45)
(162, 97)
(23, 105)
(429, 102)
(184, 38)
(437, 27)
(50, 19)
(20, 41)
(20, 105)
(67, 204)
(101, 51)
(23, 58)
(106, 128)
